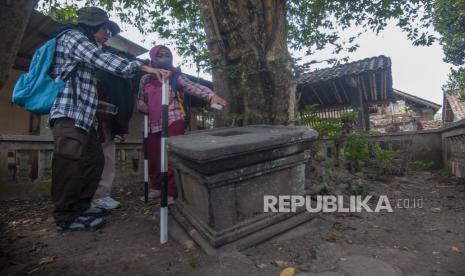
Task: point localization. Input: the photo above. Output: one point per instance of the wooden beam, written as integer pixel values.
(372, 80)
(316, 94)
(306, 97)
(362, 106)
(367, 116)
(384, 84)
(325, 95)
(351, 81)
(344, 91)
(362, 87)
(336, 91)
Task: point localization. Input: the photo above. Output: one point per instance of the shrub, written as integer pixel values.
(447, 170)
(423, 165)
(385, 158)
(361, 190)
(356, 148)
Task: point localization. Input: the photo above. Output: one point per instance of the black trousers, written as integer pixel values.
(77, 166)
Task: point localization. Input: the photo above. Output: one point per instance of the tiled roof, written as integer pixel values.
(457, 106)
(353, 68)
(337, 86)
(432, 124)
(416, 99)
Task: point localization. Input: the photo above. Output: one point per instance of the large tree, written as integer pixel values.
(244, 43)
(254, 73)
(247, 40)
(449, 22)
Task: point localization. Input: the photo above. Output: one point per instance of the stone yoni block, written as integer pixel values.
(223, 174)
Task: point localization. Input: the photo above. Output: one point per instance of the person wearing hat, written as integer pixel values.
(78, 158)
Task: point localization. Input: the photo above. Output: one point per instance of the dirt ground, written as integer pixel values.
(416, 241)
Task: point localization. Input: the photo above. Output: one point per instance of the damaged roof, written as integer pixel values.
(352, 68)
(454, 108)
(397, 94)
(339, 85)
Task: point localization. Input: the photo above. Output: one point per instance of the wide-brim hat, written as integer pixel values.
(94, 16)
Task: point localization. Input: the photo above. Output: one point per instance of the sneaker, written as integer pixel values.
(106, 203)
(82, 223)
(171, 201)
(153, 194)
(95, 212)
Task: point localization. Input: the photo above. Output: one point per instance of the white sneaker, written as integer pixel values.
(114, 204)
(106, 203)
(171, 201)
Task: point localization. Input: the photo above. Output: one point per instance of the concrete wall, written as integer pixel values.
(453, 147)
(445, 146)
(25, 160)
(419, 145)
(13, 119)
(25, 165)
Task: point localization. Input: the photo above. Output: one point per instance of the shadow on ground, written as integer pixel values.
(409, 241)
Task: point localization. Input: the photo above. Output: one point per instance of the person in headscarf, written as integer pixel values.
(149, 101)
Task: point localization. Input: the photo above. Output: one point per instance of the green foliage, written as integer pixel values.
(423, 165)
(374, 133)
(326, 127)
(317, 24)
(178, 21)
(64, 15)
(331, 128)
(311, 25)
(456, 82)
(384, 158)
(328, 162)
(309, 117)
(449, 22)
(348, 116)
(335, 129)
(326, 177)
(234, 119)
(356, 148)
(361, 190)
(447, 171)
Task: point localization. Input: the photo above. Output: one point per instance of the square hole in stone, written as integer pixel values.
(229, 133)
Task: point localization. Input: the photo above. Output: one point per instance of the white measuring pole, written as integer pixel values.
(164, 163)
(146, 162)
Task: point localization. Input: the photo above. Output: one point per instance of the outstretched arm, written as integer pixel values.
(82, 50)
(200, 91)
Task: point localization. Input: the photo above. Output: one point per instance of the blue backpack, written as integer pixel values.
(36, 90)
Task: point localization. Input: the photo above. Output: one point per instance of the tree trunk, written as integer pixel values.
(251, 62)
(14, 16)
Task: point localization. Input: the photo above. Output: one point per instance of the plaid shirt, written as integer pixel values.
(174, 110)
(78, 100)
